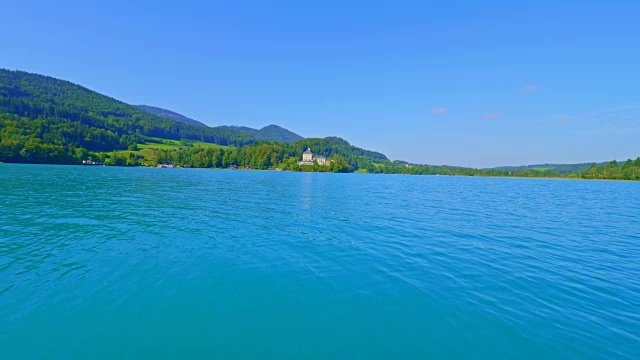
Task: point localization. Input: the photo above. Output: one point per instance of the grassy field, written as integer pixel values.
(148, 149)
(157, 143)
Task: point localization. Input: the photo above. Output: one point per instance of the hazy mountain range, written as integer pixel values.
(268, 133)
(169, 114)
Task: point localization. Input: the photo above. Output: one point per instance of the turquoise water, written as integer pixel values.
(99, 262)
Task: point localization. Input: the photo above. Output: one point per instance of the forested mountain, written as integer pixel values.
(47, 120)
(268, 133)
(168, 114)
(334, 145)
(39, 112)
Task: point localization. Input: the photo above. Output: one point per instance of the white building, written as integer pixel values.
(308, 159)
(307, 156)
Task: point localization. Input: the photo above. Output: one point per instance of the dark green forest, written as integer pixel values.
(44, 120)
(66, 114)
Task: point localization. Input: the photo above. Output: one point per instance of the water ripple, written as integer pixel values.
(185, 262)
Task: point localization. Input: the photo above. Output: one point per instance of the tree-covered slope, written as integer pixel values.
(40, 110)
(343, 157)
(268, 133)
(277, 133)
(168, 114)
(332, 145)
(244, 129)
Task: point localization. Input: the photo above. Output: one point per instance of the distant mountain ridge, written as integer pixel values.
(169, 114)
(559, 168)
(268, 133)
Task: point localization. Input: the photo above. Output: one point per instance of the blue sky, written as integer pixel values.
(474, 83)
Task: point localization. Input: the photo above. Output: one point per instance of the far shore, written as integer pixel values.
(355, 173)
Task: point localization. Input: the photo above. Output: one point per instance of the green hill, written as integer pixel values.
(169, 114)
(330, 146)
(47, 120)
(268, 133)
(44, 120)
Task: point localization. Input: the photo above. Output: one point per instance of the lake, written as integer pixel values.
(105, 262)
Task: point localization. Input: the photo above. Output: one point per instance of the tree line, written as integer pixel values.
(286, 157)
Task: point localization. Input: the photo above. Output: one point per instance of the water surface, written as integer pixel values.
(100, 262)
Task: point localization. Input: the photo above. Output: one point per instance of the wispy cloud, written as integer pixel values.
(439, 111)
(531, 88)
(610, 131)
(491, 116)
(562, 119)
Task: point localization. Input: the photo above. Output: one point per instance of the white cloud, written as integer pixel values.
(491, 116)
(439, 111)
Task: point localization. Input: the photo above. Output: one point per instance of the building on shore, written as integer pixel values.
(321, 160)
(309, 159)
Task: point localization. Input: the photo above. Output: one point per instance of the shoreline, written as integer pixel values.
(353, 172)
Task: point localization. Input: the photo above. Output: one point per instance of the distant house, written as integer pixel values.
(247, 166)
(233, 167)
(321, 160)
(308, 159)
(165, 166)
